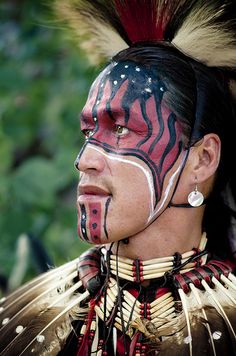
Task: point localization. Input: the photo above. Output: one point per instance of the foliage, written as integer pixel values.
(44, 81)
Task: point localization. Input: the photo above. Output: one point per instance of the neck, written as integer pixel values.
(176, 230)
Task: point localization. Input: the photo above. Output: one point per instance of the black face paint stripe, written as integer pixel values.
(80, 154)
(160, 121)
(83, 222)
(149, 125)
(180, 147)
(105, 216)
(172, 141)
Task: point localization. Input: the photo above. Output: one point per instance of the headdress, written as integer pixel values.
(203, 30)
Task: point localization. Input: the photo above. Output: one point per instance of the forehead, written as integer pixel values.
(127, 80)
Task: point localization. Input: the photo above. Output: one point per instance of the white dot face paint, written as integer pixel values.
(133, 159)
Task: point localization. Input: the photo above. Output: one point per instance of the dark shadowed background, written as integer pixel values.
(44, 80)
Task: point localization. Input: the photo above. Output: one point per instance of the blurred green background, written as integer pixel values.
(44, 80)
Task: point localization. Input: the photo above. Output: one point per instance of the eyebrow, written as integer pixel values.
(113, 114)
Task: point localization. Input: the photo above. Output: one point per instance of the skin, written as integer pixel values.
(130, 164)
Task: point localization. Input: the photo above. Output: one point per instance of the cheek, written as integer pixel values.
(133, 201)
(129, 208)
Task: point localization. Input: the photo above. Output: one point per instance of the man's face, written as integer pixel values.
(132, 156)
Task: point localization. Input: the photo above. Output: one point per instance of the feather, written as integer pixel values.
(21, 301)
(96, 25)
(208, 33)
(224, 345)
(146, 21)
(185, 309)
(35, 283)
(52, 326)
(33, 308)
(204, 30)
(208, 332)
(212, 309)
(40, 319)
(217, 304)
(224, 292)
(199, 302)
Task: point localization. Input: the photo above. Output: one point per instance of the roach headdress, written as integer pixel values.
(203, 30)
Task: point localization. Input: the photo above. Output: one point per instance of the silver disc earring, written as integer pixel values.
(195, 198)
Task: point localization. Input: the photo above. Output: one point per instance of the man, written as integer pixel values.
(156, 182)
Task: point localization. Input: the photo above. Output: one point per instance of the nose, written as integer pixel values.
(90, 158)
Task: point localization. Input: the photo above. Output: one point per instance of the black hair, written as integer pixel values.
(201, 100)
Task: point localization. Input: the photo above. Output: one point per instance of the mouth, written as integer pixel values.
(91, 192)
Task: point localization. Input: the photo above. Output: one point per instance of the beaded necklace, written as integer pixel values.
(130, 313)
(142, 318)
(138, 271)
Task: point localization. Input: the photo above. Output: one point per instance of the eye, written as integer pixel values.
(121, 130)
(88, 133)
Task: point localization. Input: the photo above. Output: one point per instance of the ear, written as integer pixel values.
(206, 157)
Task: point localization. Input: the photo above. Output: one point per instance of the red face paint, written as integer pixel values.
(125, 117)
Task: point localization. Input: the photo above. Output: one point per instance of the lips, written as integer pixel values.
(91, 192)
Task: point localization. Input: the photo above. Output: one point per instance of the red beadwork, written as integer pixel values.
(181, 283)
(100, 343)
(225, 268)
(206, 272)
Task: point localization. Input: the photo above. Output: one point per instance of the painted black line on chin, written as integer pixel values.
(105, 216)
(83, 222)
